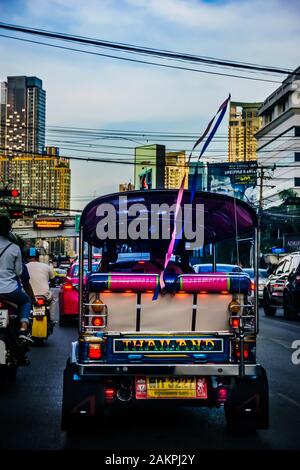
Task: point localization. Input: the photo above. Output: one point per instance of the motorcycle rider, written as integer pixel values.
(40, 276)
(10, 270)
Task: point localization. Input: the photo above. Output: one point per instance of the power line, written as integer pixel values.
(160, 53)
(141, 61)
(144, 50)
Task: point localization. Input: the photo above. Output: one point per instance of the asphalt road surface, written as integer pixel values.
(30, 408)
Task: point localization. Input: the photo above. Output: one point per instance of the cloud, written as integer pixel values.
(97, 92)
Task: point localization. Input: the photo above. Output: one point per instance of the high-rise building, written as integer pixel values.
(175, 168)
(149, 167)
(42, 180)
(244, 122)
(25, 115)
(278, 140)
(42, 177)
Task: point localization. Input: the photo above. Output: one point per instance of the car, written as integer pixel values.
(262, 279)
(276, 285)
(291, 295)
(64, 265)
(220, 268)
(68, 293)
(60, 275)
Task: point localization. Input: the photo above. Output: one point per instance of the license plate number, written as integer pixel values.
(3, 318)
(38, 311)
(171, 387)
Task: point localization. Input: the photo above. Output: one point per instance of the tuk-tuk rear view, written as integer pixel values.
(151, 331)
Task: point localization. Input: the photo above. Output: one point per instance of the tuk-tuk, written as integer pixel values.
(150, 333)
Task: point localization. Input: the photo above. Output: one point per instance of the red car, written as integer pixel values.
(68, 293)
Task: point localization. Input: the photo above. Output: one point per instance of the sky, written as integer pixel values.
(102, 93)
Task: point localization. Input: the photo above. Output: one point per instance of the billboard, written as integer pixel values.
(291, 242)
(48, 224)
(238, 179)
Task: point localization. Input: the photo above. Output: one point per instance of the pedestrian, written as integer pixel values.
(10, 270)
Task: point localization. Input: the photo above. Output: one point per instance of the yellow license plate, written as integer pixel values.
(171, 387)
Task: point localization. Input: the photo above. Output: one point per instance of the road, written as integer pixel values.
(30, 408)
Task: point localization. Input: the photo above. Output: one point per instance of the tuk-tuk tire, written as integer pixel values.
(86, 396)
(248, 393)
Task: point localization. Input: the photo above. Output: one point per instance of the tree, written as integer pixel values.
(286, 193)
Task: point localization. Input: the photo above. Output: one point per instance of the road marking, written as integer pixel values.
(284, 344)
(294, 402)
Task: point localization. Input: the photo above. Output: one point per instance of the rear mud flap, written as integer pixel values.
(248, 404)
(39, 328)
(83, 401)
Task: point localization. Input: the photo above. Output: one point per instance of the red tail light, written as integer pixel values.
(95, 351)
(252, 286)
(238, 351)
(40, 301)
(98, 321)
(1, 305)
(109, 393)
(235, 322)
(68, 286)
(222, 394)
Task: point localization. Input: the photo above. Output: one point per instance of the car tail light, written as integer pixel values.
(68, 286)
(94, 351)
(98, 321)
(40, 301)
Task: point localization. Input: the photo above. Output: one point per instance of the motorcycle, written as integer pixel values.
(13, 352)
(42, 327)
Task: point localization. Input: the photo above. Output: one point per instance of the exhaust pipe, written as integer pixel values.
(124, 393)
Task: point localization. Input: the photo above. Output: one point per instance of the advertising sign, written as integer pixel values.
(48, 224)
(291, 242)
(237, 179)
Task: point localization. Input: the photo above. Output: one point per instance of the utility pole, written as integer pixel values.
(261, 185)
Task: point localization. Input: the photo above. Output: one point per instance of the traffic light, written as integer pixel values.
(9, 192)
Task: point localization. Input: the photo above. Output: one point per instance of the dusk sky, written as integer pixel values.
(89, 91)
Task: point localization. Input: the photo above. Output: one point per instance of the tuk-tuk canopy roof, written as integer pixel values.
(224, 216)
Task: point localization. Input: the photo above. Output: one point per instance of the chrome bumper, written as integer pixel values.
(229, 370)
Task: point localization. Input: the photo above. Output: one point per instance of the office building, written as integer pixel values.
(244, 122)
(278, 140)
(149, 167)
(42, 177)
(175, 168)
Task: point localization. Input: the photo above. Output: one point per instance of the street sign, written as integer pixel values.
(77, 222)
(277, 251)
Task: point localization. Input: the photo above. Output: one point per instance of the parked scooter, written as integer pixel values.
(13, 352)
(42, 327)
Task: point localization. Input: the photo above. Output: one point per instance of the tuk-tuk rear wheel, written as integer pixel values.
(83, 403)
(248, 406)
